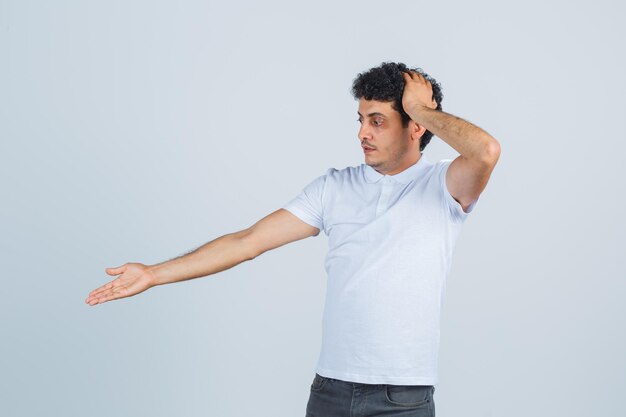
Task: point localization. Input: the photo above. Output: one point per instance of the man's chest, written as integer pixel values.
(388, 205)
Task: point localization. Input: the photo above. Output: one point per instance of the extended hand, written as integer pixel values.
(418, 92)
(135, 278)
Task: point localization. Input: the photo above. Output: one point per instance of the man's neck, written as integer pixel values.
(402, 166)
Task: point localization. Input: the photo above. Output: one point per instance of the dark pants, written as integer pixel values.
(336, 398)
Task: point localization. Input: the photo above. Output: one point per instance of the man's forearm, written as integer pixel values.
(215, 256)
(466, 138)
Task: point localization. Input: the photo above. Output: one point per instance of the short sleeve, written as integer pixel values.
(454, 207)
(308, 204)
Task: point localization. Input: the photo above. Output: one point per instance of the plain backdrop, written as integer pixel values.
(135, 131)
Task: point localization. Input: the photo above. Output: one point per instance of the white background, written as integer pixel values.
(136, 131)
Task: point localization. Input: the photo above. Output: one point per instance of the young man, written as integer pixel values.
(392, 224)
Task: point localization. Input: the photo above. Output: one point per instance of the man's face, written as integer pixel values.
(381, 129)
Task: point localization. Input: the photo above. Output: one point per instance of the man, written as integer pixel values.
(392, 224)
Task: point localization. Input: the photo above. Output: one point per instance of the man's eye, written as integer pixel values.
(376, 122)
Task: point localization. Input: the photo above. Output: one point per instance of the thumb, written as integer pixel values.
(116, 271)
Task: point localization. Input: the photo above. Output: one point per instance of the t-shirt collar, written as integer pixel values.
(404, 177)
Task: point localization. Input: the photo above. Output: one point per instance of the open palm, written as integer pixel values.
(134, 278)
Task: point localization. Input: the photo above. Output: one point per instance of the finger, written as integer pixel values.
(111, 286)
(113, 294)
(96, 299)
(116, 271)
(98, 292)
(103, 288)
(422, 78)
(99, 300)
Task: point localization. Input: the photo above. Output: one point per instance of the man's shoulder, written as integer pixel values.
(344, 172)
(345, 169)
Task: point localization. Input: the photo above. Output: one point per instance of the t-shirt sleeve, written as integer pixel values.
(454, 207)
(308, 204)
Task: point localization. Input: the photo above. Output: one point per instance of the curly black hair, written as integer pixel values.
(385, 83)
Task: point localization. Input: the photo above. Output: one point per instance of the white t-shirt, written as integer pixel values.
(390, 245)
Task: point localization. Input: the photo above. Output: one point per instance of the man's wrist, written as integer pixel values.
(152, 273)
(418, 112)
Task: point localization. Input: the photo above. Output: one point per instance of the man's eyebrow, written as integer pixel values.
(372, 114)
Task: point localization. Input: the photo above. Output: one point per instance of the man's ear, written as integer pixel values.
(417, 130)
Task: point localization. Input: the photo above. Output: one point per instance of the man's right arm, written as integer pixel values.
(272, 231)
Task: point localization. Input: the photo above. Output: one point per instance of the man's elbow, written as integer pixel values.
(249, 250)
(492, 153)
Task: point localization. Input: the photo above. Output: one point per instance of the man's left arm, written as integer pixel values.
(469, 173)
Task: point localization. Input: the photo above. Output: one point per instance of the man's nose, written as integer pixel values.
(364, 133)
